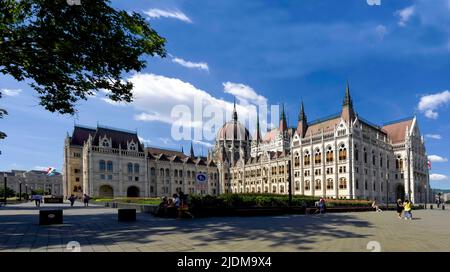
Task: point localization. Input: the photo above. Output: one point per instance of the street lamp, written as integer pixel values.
(387, 191)
(20, 190)
(4, 190)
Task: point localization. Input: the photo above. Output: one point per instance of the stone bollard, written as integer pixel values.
(50, 217)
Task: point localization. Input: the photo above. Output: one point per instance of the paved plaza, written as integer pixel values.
(96, 229)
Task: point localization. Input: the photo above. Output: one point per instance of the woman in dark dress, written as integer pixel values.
(399, 208)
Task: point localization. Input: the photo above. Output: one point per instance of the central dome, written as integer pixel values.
(233, 130)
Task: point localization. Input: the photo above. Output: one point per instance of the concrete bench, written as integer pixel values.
(50, 217)
(126, 215)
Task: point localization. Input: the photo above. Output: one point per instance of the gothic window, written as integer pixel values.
(130, 167)
(161, 172)
(297, 186)
(342, 183)
(381, 160)
(356, 153)
(136, 168)
(152, 171)
(373, 157)
(102, 165)
(167, 173)
(307, 185)
(274, 189)
(296, 160)
(365, 155)
(317, 157)
(110, 166)
(105, 143)
(132, 147)
(281, 189)
(318, 185)
(329, 154)
(342, 153)
(307, 158)
(329, 184)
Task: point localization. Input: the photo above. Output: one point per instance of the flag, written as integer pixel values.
(51, 171)
(428, 164)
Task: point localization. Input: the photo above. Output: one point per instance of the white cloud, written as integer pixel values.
(436, 158)
(244, 93)
(433, 136)
(158, 13)
(429, 104)
(208, 145)
(438, 177)
(405, 14)
(11, 92)
(381, 30)
(166, 141)
(192, 65)
(114, 103)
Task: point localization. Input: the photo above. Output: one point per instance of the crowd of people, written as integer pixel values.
(176, 206)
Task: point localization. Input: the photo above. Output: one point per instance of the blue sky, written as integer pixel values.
(396, 57)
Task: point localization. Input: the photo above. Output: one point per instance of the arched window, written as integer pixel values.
(105, 143)
(133, 147)
(307, 158)
(161, 172)
(356, 153)
(297, 160)
(297, 185)
(136, 168)
(307, 185)
(102, 165)
(274, 189)
(373, 157)
(381, 160)
(365, 155)
(342, 153)
(167, 173)
(130, 167)
(175, 173)
(329, 154)
(152, 171)
(342, 183)
(281, 189)
(330, 184)
(318, 185)
(109, 166)
(318, 157)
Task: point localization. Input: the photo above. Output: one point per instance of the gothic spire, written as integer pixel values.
(302, 115)
(192, 151)
(283, 124)
(235, 116)
(348, 99)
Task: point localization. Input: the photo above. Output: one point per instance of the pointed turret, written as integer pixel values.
(283, 124)
(258, 132)
(302, 122)
(348, 113)
(192, 155)
(182, 149)
(235, 116)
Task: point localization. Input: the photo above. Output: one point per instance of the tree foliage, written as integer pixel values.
(2, 114)
(69, 52)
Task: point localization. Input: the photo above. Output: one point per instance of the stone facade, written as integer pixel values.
(341, 156)
(33, 180)
(108, 162)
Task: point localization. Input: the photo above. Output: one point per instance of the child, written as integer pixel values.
(407, 207)
(399, 208)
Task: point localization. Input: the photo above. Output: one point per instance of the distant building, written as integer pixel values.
(109, 162)
(34, 180)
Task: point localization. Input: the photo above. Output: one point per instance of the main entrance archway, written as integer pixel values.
(106, 191)
(400, 192)
(133, 191)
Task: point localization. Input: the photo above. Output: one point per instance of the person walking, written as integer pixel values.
(375, 206)
(72, 199)
(399, 208)
(408, 208)
(86, 199)
(322, 206)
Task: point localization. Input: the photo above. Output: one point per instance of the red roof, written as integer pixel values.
(397, 131)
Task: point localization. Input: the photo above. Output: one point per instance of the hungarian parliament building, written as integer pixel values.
(341, 156)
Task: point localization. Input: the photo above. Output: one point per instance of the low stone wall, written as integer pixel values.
(142, 208)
